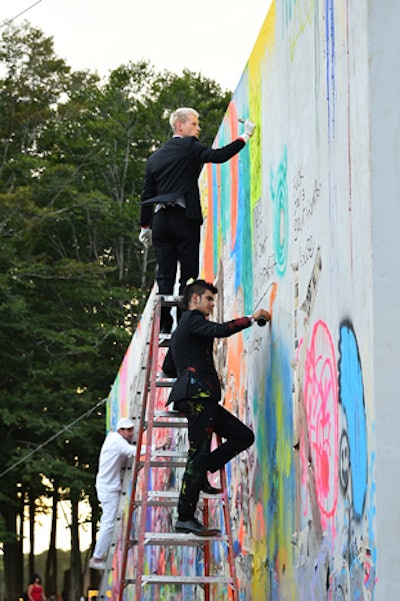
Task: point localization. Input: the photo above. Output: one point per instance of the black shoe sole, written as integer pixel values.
(205, 532)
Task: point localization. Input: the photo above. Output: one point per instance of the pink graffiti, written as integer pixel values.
(321, 408)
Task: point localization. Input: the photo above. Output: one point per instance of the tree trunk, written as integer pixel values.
(75, 585)
(94, 578)
(51, 560)
(31, 534)
(119, 255)
(20, 534)
(13, 558)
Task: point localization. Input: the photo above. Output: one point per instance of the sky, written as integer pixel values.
(211, 37)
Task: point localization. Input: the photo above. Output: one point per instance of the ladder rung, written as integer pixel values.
(169, 300)
(168, 419)
(165, 382)
(178, 539)
(159, 498)
(159, 579)
(169, 498)
(169, 424)
(169, 413)
(168, 453)
(178, 462)
(173, 423)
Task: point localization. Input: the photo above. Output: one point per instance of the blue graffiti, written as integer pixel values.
(287, 9)
(351, 394)
(243, 247)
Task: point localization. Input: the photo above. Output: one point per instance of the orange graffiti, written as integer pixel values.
(208, 259)
(272, 298)
(260, 530)
(235, 382)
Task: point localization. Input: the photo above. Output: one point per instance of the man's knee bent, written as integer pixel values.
(246, 439)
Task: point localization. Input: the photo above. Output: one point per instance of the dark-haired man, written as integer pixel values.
(171, 213)
(197, 393)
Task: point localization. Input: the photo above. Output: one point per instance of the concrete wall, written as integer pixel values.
(383, 46)
(304, 223)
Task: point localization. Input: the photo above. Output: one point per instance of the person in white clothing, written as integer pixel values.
(115, 452)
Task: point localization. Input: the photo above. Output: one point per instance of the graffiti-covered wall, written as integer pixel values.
(288, 226)
(305, 222)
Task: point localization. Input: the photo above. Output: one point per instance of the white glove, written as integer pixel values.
(145, 236)
(249, 128)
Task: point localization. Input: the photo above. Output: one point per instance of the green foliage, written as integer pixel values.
(72, 157)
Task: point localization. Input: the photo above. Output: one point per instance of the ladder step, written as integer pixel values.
(173, 423)
(169, 300)
(168, 419)
(169, 413)
(168, 454)
(178, 539)
(161, 462)
(159, 498)
(164, 382)
(199, 580)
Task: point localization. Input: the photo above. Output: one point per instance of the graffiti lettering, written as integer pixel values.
(304, 204)
(308, 303)
(307, 251)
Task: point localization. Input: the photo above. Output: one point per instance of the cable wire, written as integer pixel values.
(8, 21)
(56, 435)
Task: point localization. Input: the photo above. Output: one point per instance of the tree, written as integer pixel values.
(73, 153)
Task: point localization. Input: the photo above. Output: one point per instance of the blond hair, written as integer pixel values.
(182, 114)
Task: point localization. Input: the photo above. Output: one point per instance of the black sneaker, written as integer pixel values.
(195, 527)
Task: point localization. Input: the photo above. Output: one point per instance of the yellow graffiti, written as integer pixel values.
(263, 47)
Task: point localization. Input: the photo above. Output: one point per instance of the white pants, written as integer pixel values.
(109, 504)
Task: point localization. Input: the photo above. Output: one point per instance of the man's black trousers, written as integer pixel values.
(175, 239)
(206, 416)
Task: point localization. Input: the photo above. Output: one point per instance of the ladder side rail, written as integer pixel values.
(137, 464)
(146, 464)
(104, 584)
(132, 506)
(131, 470)
(207, 554)
(234, 593)
(129, 473)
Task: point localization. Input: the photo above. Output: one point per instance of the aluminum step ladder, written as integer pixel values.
(209, 582)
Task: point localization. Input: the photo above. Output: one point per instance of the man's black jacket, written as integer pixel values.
(192, 347)
(173, 171)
